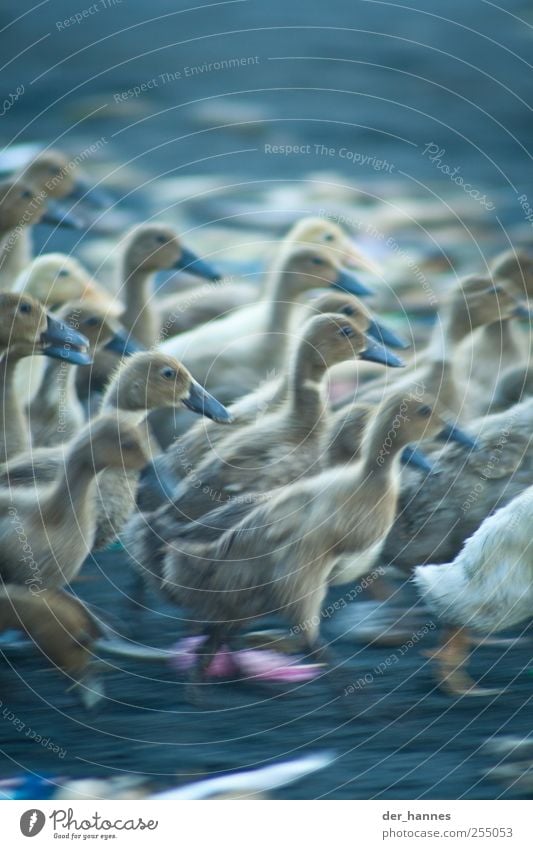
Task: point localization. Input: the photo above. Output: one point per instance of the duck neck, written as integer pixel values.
(14, 437)
(138, 315)
(15, 255)
(57, 388)
(306, 406)
(280, 303)
(114, 399)
(72, 492)
(501, 338)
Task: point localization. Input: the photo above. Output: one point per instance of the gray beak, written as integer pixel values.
(58, 217)
(412, 456)
(86, 193)
(61, 342)
(377, 353)
(521, 311)
(347, 282)
(454, 433)
(123, 344)
(194, 265)
(200, 401)
(382, 334)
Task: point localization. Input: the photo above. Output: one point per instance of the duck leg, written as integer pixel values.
(205, 653)
(450, 658)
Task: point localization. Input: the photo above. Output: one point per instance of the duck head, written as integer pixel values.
(53, 172)
(153, 247)
(26, 326)
(353, 308)
(57, 278)
(327, 233)
(100, 329)
(149, 380)
(305, 269)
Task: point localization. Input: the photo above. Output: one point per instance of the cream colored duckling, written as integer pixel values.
(240, 350)
(146, 381)
(283, 445)
(56, 278)
(25, 329)
(488, 587)
(59, 520)
(278, 559)
(55, 413)
(151, 248)
(189, 309)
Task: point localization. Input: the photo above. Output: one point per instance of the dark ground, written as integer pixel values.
(408, 741)
(456, 73)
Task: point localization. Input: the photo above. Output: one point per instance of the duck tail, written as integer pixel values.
(441, 587)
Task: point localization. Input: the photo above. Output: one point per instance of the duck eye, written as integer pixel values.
(168, 372)
(161, 240)
(317, 261)
(26, 194)
(91, 322)
(347, 310)
(128, 445)
(346, 331)
(424, 411)
(329, 237)
(26, 308)
(63, 273)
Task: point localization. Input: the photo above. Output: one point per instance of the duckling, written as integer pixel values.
(52, 172)
(239, 350)
(57, 622)
(487, 587)
(282, 446)
(474, 303)
(515, 384)
(280, 556)
(58, 521)
(55, 413)
(188, 310)
(151, 248)
(200, 439)
(145, 381)
(20, 209)
(25, 329)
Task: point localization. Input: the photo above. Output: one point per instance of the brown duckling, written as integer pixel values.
(184, 454)
(474, 303)
(283, 445)
(151, 248)
(26, 329)
(55, 413)
(146, 381)
(58, 521)
(278, 559)
(20, 208)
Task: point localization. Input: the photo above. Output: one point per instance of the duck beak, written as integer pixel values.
(456, 434)
(412, 456)
(56, 216)
(123, 344)
(521, 311)
(200, 401)
(354, 258)
(188, 261)
(347, 282)
(377, 353)
(87, 193)
(61, 342)
(383, 334)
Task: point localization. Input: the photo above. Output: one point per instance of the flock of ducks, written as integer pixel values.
(304, 469)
